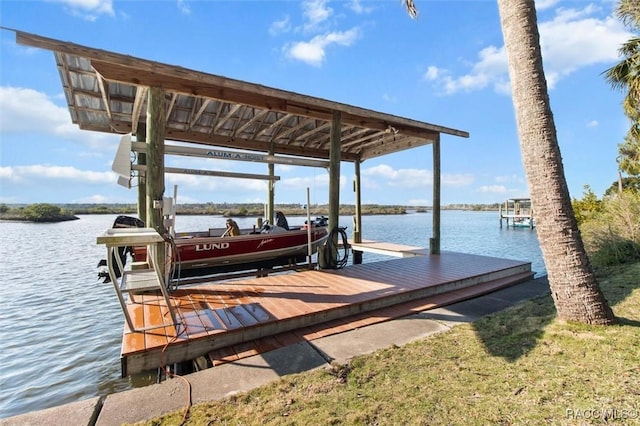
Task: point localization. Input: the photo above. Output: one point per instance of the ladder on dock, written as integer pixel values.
(136, 281)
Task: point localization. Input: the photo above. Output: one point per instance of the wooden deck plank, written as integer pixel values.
(154, 315)
(246, 349)
(389, 249)
(227, 318)
(131, 341)
(281, 309)
(266, 344)
(222, 355)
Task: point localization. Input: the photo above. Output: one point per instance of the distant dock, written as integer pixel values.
(517, 213)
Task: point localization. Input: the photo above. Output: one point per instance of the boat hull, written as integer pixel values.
(198, 254)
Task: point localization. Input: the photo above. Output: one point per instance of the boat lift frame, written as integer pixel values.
(137, 281)
(519, 211)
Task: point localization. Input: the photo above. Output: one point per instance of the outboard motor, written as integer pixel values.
(319, 221)
(121, 221)
(322, 221)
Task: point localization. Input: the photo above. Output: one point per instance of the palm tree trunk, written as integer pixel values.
(574, 288)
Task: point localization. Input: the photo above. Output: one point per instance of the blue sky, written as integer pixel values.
(448, 67)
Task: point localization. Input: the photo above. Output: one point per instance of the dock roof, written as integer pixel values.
(107, 92)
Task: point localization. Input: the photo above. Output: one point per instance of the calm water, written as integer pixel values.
(62, 327)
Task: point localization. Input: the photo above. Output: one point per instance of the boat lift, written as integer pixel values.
(519, 211)
(133, 282)
(123, 166)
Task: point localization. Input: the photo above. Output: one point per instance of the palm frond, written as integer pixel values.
(411, 8)
(628, 11)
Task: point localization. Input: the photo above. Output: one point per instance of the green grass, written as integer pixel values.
(518, 366)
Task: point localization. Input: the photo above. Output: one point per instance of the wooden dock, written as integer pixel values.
(230, 320)
(388, 249)
(517, 213)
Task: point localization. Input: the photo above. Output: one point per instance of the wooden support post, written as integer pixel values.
(334, 181)
(434, 243)
(271, 214)
(357, 226)
(156, 123)
(141, 136)
(334, 170)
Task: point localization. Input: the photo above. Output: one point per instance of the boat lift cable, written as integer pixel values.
(331, 249)
(175, 269)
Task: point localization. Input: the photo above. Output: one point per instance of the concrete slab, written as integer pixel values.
(248, 373)
(208, 385)
(143, 403)
(473, 309)
(344, 346)
(76, 413)
(523, 291)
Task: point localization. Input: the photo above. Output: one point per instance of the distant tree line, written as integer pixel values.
(39, 212)
(43, 211)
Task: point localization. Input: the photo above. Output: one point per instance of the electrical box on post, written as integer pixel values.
(167, 205)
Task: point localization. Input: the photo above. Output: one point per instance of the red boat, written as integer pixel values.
(216, 251)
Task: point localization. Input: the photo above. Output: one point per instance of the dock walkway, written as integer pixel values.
(234, 319)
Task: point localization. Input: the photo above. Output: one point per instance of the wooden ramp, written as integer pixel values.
(232, 319)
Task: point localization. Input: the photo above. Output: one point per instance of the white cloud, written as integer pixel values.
(545, 4)
(357, 7)
(184, 7)
(389, 98)
(385, 175)
(220, 185)
(88, 9)
(419, 202)
(283, 168)
(573, 39)
(94, 199)
(312, 52)
(29, 111)
(281, 26)
(593, 123)
(315, 12)
(7, 173)
(298, 185)
(495, 189)
(319, 31)
(432, 73)
(461, 179)
(29, 174)
(509, 179)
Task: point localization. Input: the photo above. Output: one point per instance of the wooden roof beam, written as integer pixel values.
(353, 134)
(306, 105)
(313, 132)
(292, 129)
(363, 139)
(139, 71)
(196, 116)
(386, 146)
(252, 120)
(222, 120)
(138, 103)
(171, 104)
(63, 69)
(275, 124)
(228, 142)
